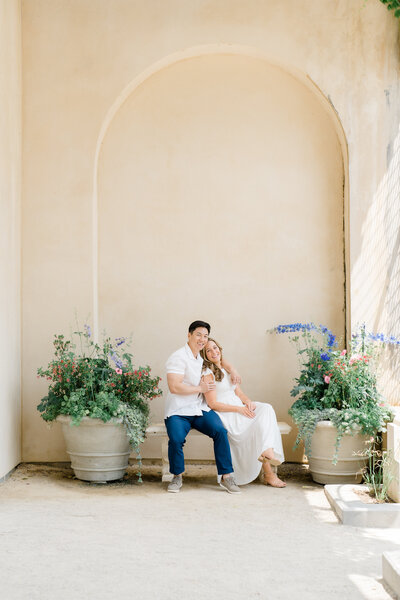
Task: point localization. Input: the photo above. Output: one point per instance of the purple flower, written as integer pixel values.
(331, 340)
(325, 356)
(295, 327)
(117, 361)
(88, 330)
(120, 341)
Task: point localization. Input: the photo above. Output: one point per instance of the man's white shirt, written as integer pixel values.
(182, 362)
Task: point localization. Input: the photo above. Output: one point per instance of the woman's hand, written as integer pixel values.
(246, 411)
(207, 387)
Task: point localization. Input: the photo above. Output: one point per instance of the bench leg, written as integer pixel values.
(166, 476)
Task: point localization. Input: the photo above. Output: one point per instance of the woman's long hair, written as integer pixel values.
(207, 364)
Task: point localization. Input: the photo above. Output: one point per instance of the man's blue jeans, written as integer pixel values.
(178, 426)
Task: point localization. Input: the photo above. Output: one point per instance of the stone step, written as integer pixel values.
(391, 570)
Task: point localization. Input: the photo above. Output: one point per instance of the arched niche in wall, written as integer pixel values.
(220, 196)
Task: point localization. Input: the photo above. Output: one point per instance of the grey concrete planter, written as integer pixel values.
(98, 451)
(348, 467)
(352, 511)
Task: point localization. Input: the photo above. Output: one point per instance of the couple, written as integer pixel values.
(203, 396)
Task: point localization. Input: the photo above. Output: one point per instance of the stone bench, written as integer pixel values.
(158, 430)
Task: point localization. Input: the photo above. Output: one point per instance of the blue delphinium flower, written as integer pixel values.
(295, 327)
(117, 361)
(331, 340)
(381, 337)
(391, 340)
(120, 341)
(325, 356)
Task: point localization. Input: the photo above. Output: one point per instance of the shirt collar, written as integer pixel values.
(190, 353)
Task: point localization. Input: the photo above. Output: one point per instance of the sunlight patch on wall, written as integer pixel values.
(376, 274)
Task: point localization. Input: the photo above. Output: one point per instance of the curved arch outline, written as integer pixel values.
(193, 52)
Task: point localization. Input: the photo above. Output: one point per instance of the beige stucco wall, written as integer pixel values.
(10, 191)
(137, 115)
(218, 178)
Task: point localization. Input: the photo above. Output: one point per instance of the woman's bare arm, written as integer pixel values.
(245, 399)
(235, 377)
(211, 399)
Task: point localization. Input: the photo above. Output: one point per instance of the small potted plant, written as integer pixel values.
(338, 406)
(378, 473)
(101, 401)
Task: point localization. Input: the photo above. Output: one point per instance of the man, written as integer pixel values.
(186, 409)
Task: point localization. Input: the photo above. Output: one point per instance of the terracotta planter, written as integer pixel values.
(98, 451)
(348, 467)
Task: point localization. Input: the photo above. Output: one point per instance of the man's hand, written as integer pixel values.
(246, 412)
(235, 377)
(176, 386)
(207, 387)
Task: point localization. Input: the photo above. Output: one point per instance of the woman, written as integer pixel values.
(253, 431)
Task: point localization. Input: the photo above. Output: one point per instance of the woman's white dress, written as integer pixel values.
(248, 438)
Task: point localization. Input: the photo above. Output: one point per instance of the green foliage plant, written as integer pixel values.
(336, 385)
(378, 473)
(98, 380)
(393, 5)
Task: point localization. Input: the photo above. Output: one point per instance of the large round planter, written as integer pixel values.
(98, 451)
(348, 467)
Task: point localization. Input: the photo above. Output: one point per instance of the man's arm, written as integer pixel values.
(176, 386)
(235, 377)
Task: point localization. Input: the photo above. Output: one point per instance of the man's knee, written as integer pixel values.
(177, 440)
(219, 430)
(176, 431)
(215, 425)
(177, 436)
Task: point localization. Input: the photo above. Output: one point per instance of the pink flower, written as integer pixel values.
(327, 379)
(118, 371)
(354, 358)
(343, 352)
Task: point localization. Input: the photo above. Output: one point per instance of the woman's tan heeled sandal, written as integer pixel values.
(274, 462)
(278, 483)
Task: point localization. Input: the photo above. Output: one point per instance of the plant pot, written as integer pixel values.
(348, 467)
(99, 451)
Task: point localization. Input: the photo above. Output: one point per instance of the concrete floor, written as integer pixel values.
(61, 538)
